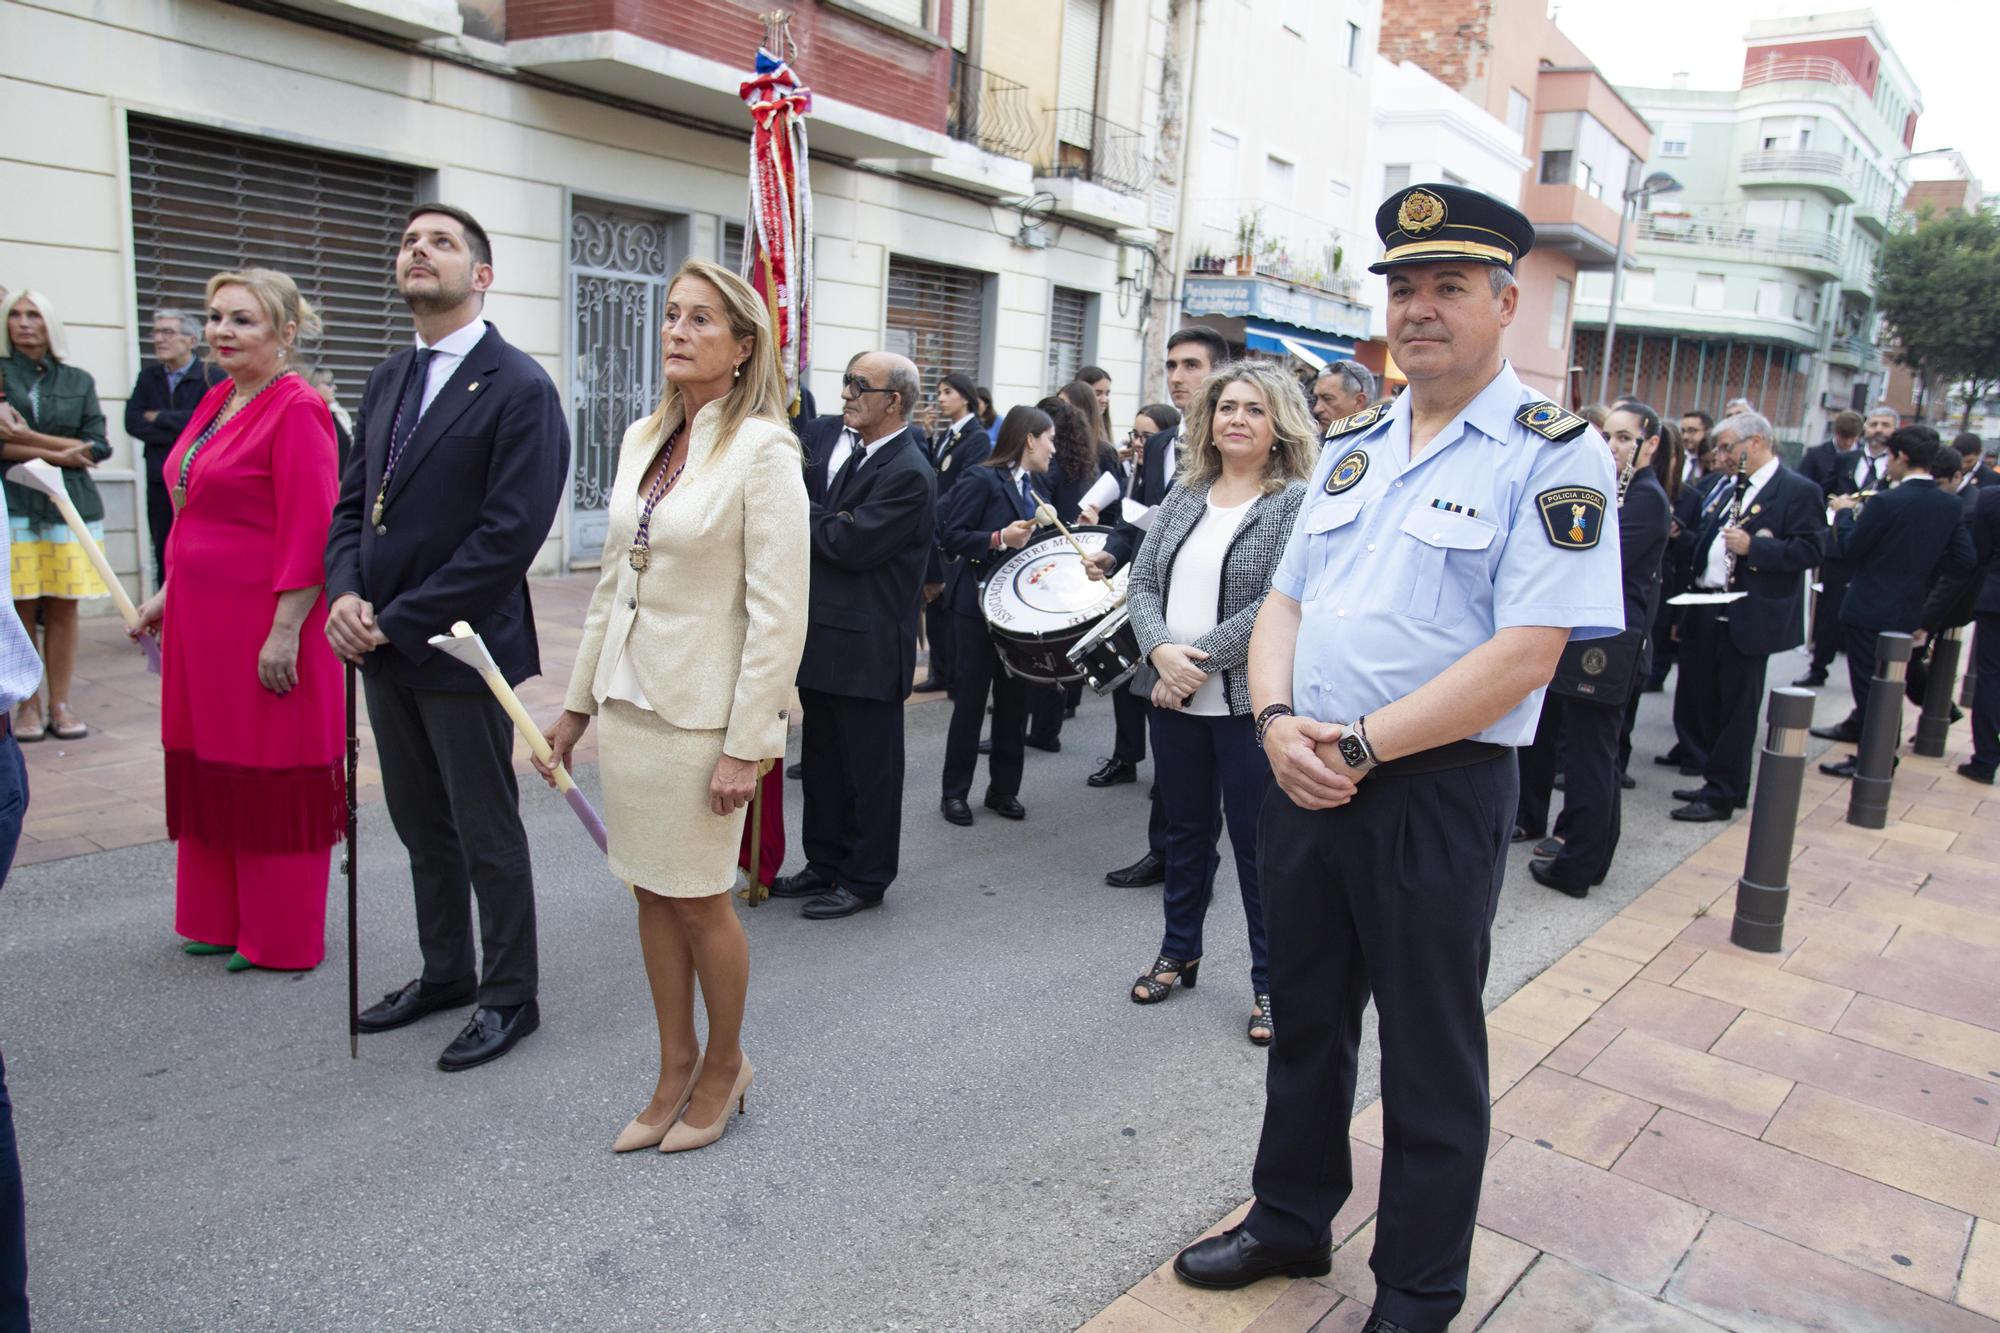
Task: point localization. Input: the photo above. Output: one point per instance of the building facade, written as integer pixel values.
(976, 203)
(1757, 279)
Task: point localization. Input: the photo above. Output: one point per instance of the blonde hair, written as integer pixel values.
(760, 391)
(58, 335)
(1293, 444)
(277, 296)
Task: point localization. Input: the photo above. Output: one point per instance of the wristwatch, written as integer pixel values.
(1355, 751)
(1270, 714)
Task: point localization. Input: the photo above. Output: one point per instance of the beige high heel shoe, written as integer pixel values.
(684, 1137)
(638, 1134)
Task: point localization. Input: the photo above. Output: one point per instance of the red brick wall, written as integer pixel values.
(839, 55)
(1857, 53)
(1447, 39)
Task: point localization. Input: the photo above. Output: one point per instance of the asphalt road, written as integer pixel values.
(959, 1121)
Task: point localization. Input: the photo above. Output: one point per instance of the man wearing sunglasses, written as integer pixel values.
(874, 498)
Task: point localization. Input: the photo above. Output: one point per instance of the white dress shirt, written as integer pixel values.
(1715, 569)
(845, 446)
(449, 350)
(1877, 464)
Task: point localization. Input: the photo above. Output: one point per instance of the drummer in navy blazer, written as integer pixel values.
(464, 460)
(989, 515)
(960, 443)
(874, 500)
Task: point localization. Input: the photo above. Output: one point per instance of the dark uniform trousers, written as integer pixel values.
(1986, 692)
(1829, 634)
(1589, 826)
(853, 829)
(447, 761)
(1723, 688)
(938, 633)
(1129, 713)
(1392, 894)
(1859, 645)
(978, 671)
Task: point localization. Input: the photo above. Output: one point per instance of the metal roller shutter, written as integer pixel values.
(935, 317)
(1069, 313)
(204, 200)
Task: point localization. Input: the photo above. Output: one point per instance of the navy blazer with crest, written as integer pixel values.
(1787, 527)
(870, 541)
(953, 455)
(474, 497)
(985, 501)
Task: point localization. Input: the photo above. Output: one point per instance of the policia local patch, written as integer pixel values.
(1573, 516)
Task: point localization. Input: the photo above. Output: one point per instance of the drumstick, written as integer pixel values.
(1046, 515)
(38, 474)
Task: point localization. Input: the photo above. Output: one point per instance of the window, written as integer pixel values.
(1395, 176)
(1558, 166)
(903, 11)
(1577, 149)
(1222, 168)
(1076, 70)
(1674, 139)
(1354, 45)
(732, 246)
(936, 316)
(1279, 176)
(1559, 313)
(1517, 111)
(1708, 291)
(1770, 298)
(1069, 334)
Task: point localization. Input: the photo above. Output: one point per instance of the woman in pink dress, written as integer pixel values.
(250, 693)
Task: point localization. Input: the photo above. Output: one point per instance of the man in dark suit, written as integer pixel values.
(1725, 648)
(462, 461)
(1830, 465)
(1973, 469)
(1192, 353)
(1985, 526)
(164, 397)
(1898, 543)
(960, 444)
(874, 503)
(1699, 501)
(1834, 456)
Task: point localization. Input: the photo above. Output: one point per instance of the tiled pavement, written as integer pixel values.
(1689, 1136)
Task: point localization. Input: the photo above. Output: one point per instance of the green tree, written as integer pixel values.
(1938, 287)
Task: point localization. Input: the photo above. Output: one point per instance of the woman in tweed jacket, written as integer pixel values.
(1195, 588)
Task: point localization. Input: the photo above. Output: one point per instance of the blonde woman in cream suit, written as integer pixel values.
(688, 659)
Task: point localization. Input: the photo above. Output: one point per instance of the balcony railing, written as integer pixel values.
(1085, 146)
(989, 111)
(1790, 247)
(1795, 162)
(1798, 69)
(1249, 237)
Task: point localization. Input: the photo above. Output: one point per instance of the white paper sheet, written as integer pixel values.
(1706, 598)
(1107, 489)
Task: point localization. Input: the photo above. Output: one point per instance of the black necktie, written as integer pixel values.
(1028, 497)
(1866, 480)
(856, 455)
(411, 406)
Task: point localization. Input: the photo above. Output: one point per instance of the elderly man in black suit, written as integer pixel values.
(1778, 535)
(165, 395)
(874, 503)
(462, 462)
(1898, 543)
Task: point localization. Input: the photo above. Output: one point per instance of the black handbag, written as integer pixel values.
(1601, 671)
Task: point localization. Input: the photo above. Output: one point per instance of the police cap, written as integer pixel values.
(1432, 224)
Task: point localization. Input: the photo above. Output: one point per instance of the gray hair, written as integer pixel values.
(1357, 377)
(903, 378)
(191, 325)
(1743, 425)
(1885, 410)
(1500, 278)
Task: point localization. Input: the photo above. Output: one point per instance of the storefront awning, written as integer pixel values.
(1313, 348)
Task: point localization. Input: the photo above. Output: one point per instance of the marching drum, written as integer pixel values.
(1039, 604)
(1108, 656)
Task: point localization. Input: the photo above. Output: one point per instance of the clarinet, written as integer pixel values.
(1625, 475)
(1735, 517)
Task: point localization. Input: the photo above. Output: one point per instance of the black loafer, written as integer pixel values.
(409, 1003)
(1053, 745)
(956, 811)
(1841, 733)
(1690, 793)
(1377, 1324)
(488, 1036)
(1236, 1259)
(1701, 812)
(842, 901)
(1840, 768)
(1547, 847)
(1544, 874)
(1005, 806)
(1148, 869)
(1114, 772)
(795, 771)
(1976, 773)
(808, 883)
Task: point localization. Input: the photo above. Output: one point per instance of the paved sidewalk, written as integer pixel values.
(1689, 1136)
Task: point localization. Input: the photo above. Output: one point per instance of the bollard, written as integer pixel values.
(1765, 888)
(1881, 734)
(1936, 719)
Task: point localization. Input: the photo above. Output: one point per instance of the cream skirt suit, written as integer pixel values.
(697, 656)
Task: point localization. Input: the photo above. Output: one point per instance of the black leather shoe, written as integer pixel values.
(1842, 768)
(1544, 874)
(795, 771)
(1236, 1259)
(1690, 793)
(1148, 869)
(808, 883)
(842, 901)
(488, 1036)
(1976, 772)
(1522, 833)
(1843, 733)
(1701, 812)
(409, 1003)
(1114, 772)
(931, 686)
(986, 746)
(1547, 847)
(1668, 760)
(1377, 1324)
(956, 811)
(1626, 782)
(1005, 806)
(1812, 680)
(1053, 745)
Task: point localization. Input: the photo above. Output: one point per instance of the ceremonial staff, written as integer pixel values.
(352, 866)
(39, 474)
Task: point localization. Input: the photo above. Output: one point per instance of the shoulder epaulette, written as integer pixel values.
(1551, 422)
(1361, 420)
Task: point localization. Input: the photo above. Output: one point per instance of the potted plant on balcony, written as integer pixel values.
(1249, 234)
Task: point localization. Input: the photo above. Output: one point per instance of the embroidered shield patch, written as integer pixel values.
(1594, 661)
(1347, 471)
(1573, 516)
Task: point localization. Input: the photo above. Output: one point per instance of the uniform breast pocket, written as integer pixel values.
(1327, 524)
(1445, 556)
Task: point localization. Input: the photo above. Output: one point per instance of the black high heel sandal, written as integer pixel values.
(1261, 1020)
(1183, 971)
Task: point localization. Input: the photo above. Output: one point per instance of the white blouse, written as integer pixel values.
(1194, 592)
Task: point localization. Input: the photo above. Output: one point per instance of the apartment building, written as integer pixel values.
(980, 174)
(1757, 279)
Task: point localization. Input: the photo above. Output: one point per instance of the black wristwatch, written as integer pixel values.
(1355, 751)
(1267, 717)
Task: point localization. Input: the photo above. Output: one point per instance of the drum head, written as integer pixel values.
(1042, 589)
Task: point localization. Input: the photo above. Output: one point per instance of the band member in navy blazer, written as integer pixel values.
(463, 461)
(874, 503)
(1898, 544)
(989, 515)
(960, 444)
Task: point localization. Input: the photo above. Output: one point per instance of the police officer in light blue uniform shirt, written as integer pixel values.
(1450, 545)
